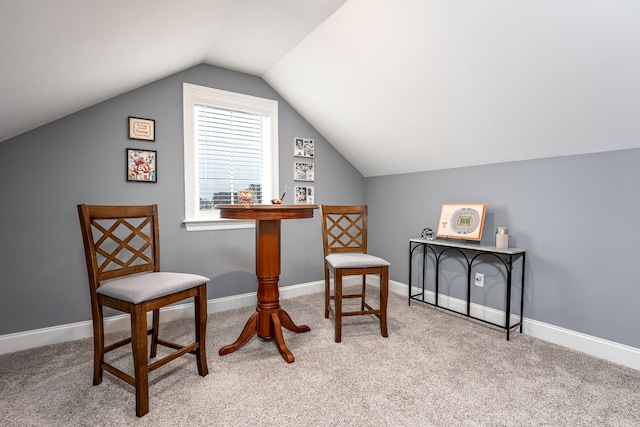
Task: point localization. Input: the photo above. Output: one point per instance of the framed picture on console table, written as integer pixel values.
(464, 221)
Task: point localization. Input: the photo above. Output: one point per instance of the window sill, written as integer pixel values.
(216, 224)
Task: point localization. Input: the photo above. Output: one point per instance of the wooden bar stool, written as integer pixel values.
(344, 238)
(122, 250)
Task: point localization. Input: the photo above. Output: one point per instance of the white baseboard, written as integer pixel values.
(608, 350)
(74, 331)
(460, 306)
(598, 347)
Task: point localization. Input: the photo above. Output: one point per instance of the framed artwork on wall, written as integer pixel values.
(463, 221)
(302, 147)
(303, 195)
(142, 129)
(303, 171)
(142, 165)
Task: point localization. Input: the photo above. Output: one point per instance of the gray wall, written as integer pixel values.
(45, 173)
(576, 216)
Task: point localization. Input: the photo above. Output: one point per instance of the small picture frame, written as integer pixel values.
(245, 197)
(302, 147)
(142, 129)
(303, 171)
(463, 221)
(142, 165)
(303, 195)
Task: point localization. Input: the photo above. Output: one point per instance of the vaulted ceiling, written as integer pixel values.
(396, 86)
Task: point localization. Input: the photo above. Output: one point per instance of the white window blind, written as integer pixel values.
(230, 154)
(230, 144)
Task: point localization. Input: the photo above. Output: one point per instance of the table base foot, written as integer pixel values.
(278, 338)
(249, 330)
(277, 319)
(288, 324)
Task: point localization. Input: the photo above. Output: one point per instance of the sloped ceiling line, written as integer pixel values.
(396, 87)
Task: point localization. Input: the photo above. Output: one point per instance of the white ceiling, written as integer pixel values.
(396, 86)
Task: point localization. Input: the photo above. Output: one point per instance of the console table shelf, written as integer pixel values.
(472, 253)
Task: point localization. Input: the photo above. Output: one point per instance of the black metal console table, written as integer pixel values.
(471, 252)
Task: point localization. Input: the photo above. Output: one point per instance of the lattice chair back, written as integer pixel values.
(345, 229)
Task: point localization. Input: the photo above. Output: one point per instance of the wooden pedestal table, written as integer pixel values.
(269, 318)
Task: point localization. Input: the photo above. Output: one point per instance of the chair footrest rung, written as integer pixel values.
(181, 351)
(118, 373)
(117, 345)
(361, 312)
(352, 296)
(347, 296)
(371, 310)
(170, 344)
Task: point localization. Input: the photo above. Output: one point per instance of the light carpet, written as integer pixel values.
(434, 369)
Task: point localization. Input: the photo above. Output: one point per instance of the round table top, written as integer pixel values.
(266, 212)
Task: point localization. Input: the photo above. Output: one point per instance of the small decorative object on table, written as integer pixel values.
(428, 234)
(502, 238)
(245, 197)
(279, 201)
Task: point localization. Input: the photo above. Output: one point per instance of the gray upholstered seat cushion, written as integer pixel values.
(355, 260)
(147, 286)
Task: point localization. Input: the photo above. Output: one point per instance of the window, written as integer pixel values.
(230, 143)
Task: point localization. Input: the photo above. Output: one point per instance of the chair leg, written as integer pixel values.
(155, 333)
(363, 292)
(98, 345)
(384, 297)
(327, 292)
(337, 298)
(200, 303)
(140, 364)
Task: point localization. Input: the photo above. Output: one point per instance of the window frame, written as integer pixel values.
(202, 95)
